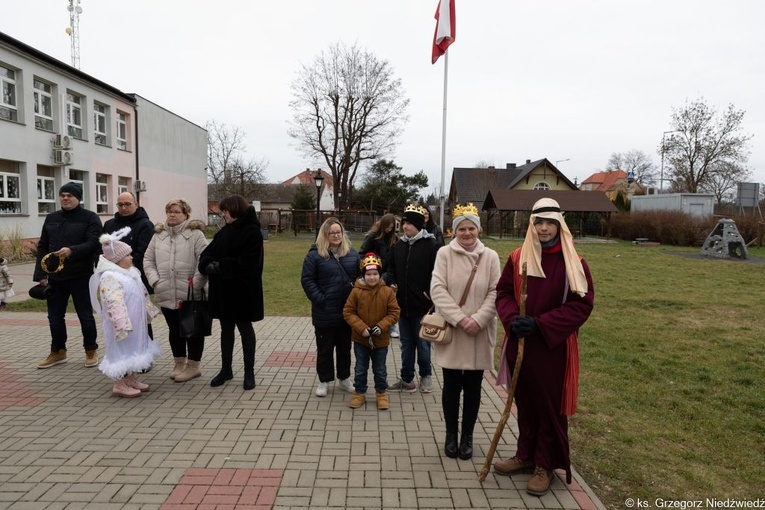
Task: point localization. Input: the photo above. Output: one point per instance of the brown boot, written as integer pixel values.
(91, 358)
(180, 365)
(190, 372)
(131, 381)
(53, 359)
(121, 389)
(513, 466)
(540, 483)
(382, 401)
(357, 401)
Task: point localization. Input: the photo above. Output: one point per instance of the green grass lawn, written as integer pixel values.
(671, 399)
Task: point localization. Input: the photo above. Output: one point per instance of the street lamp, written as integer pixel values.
(318, 179)
(661, 178)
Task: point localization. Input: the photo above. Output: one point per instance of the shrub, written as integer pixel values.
(675, 228)
(13, 247)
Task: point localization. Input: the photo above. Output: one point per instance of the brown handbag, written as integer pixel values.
(434, 328)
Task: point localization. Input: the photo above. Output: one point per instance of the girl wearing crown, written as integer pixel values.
(371, 310)
(117, 290)
(471, 350)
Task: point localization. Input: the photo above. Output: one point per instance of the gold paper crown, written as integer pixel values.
(415, 208)
(462, 210)
(370, 259)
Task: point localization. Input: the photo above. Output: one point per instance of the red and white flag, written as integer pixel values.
(445, 28)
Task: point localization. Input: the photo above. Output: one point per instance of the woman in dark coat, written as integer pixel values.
(233, 262)
(330, 270)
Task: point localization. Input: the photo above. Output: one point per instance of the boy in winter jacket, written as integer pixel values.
(371, 310)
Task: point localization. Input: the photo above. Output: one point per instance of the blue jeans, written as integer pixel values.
(79, 289)
(409, 329)
(363, 355)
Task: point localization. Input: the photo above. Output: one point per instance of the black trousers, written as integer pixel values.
(333, 344)
(467, 382)
(194, 345)
(247, 332)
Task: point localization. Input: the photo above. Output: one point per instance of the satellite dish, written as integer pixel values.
(78, 9)
(69, 7)
(68, 30)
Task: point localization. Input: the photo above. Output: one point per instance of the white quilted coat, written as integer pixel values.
(171, 258)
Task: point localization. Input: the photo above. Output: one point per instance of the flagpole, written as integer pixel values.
(443, 142)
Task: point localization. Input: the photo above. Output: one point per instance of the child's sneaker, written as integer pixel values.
(382, 401)
(394, 331)
(346, 384)
(321, 389)
(402, 385)
(357, 401)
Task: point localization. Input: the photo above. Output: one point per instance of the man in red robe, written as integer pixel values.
(560, 299)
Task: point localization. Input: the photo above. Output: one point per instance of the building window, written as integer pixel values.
(123, 185)
(78, 176)
(10, 193)
(46, 195)
(74, 115)
(8, 108)
(541, 186)
(122, 131)
(102, 194)
(99, 123)
(43, 105)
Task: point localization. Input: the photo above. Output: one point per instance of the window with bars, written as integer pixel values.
(99, 124)
(8, 106)
(74, 115)
(43, 98)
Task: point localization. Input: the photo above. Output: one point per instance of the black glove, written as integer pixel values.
(375, 331)
(213, 267)
(523, 326)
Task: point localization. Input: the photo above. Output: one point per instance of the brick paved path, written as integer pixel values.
(66, 443)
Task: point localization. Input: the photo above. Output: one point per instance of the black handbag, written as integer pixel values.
(194, 315)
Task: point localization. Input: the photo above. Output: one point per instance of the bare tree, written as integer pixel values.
(227, 169)
(723, 177)
(635, 161)
(702, 141)
(347, 108)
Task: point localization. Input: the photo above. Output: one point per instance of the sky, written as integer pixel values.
(570, 81)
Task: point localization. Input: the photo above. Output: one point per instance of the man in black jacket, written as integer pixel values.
(410, 267)
(70, 240)
(129, 214)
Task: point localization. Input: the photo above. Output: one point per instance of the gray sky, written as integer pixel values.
(561, 79)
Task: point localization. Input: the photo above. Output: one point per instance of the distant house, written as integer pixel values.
(306, 178)
(612, 183)
(473, 184)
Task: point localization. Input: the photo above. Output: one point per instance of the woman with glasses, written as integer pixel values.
(330, 270)
(170, 260)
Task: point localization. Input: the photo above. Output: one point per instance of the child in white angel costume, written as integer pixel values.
(125, 309)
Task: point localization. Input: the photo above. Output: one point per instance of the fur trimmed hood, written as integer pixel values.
(191, 224)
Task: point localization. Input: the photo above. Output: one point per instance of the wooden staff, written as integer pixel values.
(513, 384)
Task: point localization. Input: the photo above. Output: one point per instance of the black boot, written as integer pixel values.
(248, 353)
(466, 443)
(227, 353)
(450, 447)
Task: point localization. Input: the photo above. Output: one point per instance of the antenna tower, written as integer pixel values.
(73, 30)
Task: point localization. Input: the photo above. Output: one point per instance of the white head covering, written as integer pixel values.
(531, 253)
